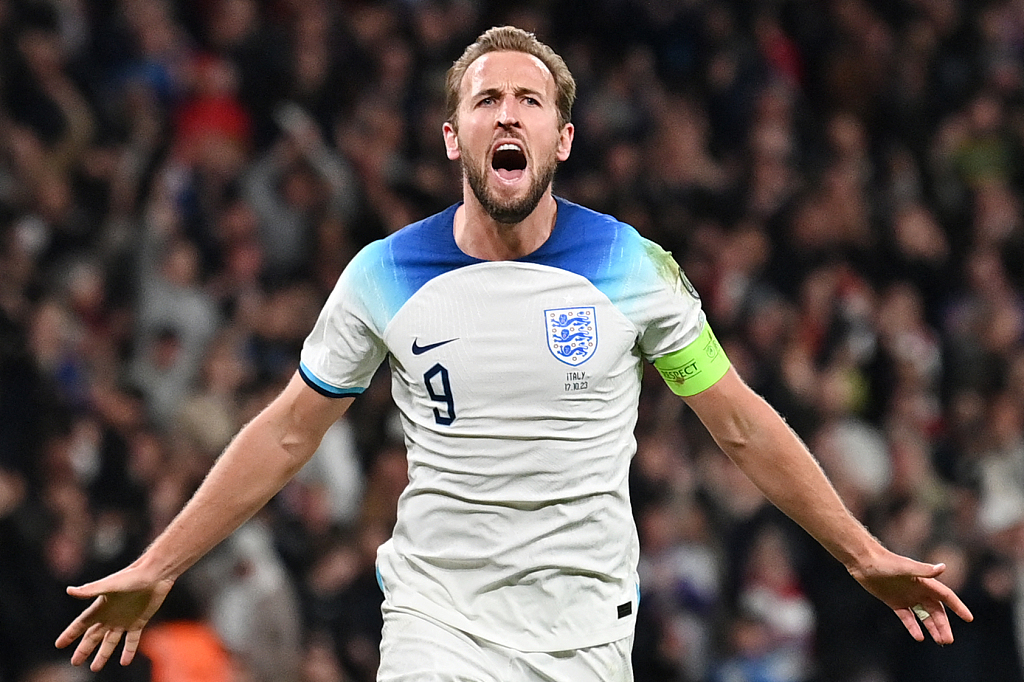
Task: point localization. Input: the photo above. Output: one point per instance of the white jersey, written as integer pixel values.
(518, 383)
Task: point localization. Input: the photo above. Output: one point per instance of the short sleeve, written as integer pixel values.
(659, 299)
(345, 347)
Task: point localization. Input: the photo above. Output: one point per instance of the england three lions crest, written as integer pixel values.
(572, 334)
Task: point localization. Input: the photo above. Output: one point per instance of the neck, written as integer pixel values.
(480, 236)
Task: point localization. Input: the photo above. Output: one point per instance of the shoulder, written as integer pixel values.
(588, 229)
(432, 236)
(387, 273)
(598, 244)
(426, 241)
(580, 219)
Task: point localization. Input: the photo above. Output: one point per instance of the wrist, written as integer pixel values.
(154, 569)
(864, 559)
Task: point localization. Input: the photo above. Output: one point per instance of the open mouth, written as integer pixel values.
(509, 161)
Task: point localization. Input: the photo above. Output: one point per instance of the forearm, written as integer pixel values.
(264, 455)
(763, 446)
(779, 464)
(777, 461)
(249, 472)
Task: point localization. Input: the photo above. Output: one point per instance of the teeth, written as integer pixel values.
(508, 146)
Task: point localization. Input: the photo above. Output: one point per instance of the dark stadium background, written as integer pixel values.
(182, 182)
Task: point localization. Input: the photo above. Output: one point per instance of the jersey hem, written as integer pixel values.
(404, 597)
(428, 609)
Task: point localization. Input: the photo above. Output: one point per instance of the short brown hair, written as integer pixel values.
(511, 39)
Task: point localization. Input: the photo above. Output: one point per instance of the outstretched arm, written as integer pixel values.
(757, 439)
(264, 455)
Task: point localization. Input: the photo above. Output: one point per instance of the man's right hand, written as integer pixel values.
(124, 603)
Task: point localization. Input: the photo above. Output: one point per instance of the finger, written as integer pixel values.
(89, 641)
(125, 580)
(925, 570)
(71, 632)
(80, 625)
(938, 626)
(957, 606)
(89, 590)
(110, 641)
(131, 645)
(909, 621)
(80, 592)
(949, 598)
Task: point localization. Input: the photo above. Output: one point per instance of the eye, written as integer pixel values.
(531, 101)
(486, 102)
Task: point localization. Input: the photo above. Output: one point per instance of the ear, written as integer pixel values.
(451, 140)
(565, 142)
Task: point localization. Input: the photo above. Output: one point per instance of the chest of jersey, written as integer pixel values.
(504, 347)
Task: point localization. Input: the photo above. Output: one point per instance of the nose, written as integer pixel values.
(508, 115)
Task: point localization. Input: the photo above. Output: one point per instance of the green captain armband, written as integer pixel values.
(696, 367)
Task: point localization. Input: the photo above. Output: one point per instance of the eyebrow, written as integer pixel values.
(519, 92)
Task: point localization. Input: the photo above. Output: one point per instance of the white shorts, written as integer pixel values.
(415, 647)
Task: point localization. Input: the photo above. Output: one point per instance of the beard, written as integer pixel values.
(508, 211)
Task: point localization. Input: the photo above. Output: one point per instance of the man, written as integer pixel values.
(515, 324)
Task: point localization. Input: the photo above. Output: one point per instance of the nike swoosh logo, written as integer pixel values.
(420, 350)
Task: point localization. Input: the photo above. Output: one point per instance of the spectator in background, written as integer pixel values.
(177, 320)
(186, 648)
(296, 182)
(89, 97)
(253, 605)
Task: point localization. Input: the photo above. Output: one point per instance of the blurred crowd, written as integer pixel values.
(181, 183)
